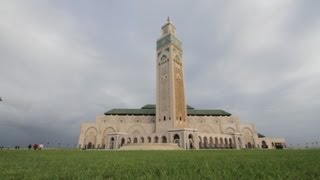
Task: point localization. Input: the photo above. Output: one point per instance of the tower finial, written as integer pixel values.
(168, 19)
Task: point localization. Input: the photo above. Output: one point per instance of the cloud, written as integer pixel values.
(63, 63)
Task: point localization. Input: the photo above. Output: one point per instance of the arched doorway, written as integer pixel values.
(135, 140)
(112, 143)
(149, 139)
(142, 140)
(89, 146)
(216, 142)
(176, 139)
(225, 142)
(122, 141)
(164, 139)
(230, 143)
(221, 143)
(191, 145)
(205, 140)
(249, 145)
(211, 142)
(264, 145)
(239, 142)
(200, 142)
(156, 139)
(129, 140)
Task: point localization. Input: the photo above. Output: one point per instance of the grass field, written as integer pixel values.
(216, 164)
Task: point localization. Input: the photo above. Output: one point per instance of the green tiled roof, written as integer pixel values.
(149, 106)
(135, 112)
(207, 112)
(150, 109)
(153, 106)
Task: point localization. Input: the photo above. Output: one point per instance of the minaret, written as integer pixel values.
(171, 103)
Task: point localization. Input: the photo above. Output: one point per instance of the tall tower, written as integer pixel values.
(171, 102)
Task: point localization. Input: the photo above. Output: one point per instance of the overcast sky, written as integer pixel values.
(65, 62)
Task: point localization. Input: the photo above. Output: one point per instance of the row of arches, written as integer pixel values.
(149, 139)
(216, 143)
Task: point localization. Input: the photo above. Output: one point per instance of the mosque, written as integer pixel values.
(171, 123)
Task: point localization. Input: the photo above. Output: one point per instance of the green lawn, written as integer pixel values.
(206, 164)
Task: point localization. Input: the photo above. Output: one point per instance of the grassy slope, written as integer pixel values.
(225, 164)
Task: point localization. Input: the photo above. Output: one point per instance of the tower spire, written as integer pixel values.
(168, 28)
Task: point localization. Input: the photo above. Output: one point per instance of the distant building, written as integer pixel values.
(171, 121)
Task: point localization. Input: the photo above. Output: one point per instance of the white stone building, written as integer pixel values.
(171, 121)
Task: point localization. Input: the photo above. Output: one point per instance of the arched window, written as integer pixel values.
(135, 140)
(142, 140)
(149, 139)
(164, 118)
(156, 139)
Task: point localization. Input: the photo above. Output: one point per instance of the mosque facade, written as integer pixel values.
(171, 122)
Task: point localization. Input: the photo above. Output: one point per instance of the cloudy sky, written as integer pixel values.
(65, 62)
